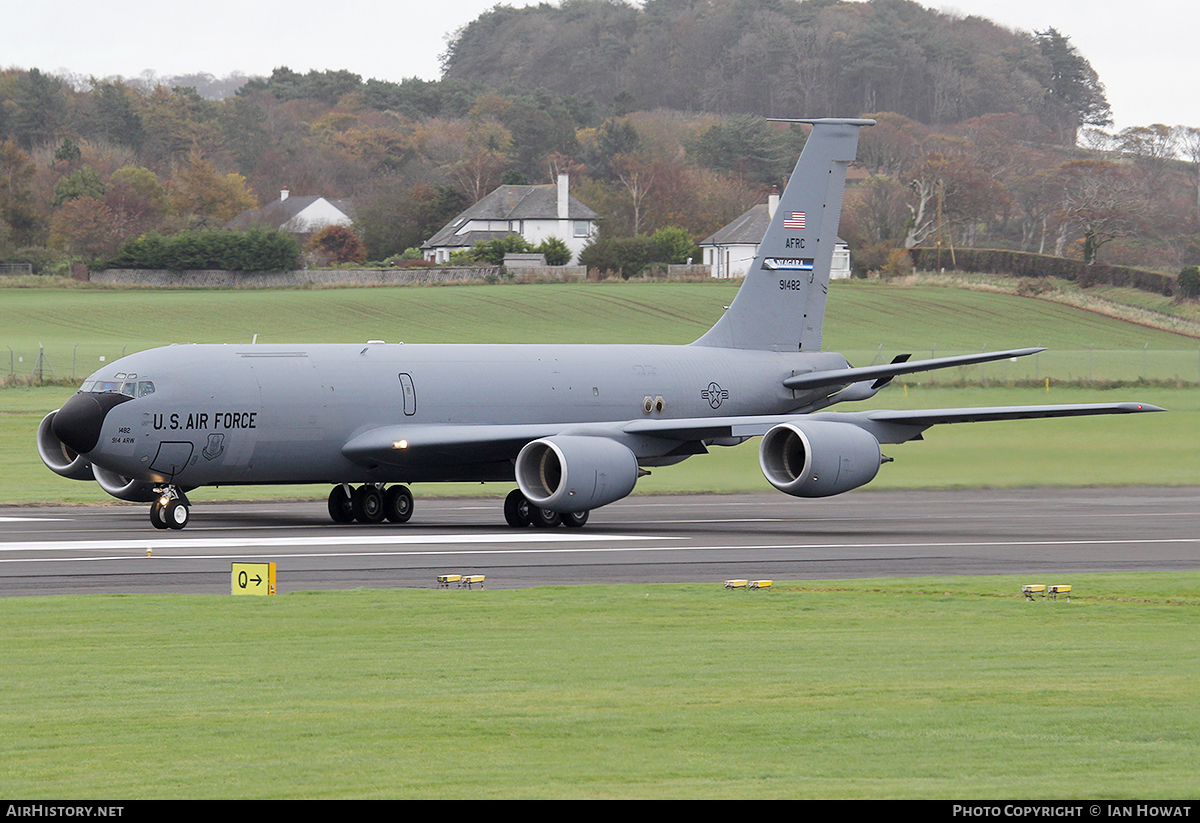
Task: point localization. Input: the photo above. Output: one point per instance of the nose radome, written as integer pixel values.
(78, 422)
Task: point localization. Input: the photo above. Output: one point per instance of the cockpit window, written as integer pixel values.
(129, 388)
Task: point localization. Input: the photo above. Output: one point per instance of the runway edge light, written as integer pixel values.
(252, 578)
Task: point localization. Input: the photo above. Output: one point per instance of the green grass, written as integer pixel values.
(78, 326)
(931, 687)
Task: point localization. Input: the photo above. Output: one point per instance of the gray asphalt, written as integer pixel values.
(1039, 532)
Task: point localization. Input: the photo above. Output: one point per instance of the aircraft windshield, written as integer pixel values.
(130, 388)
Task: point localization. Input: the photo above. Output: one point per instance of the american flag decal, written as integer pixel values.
(796, 221)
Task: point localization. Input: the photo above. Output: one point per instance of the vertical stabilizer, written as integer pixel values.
(781, 304)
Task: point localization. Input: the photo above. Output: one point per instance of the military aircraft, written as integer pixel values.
(576, 426)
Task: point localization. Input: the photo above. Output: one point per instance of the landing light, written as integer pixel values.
(400, 444)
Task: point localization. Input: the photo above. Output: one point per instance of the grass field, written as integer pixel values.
(953, 688)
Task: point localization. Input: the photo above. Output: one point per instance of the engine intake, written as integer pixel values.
(817, 458)
(571, 473)
(57, 455)
(122, 488)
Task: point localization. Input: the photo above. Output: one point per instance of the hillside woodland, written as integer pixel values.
(987, 137)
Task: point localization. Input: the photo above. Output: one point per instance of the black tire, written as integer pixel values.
(398, 504)
(176, 514)
(367, 502)
(545, 519)
(341, 508)
(156, 516)
(517, 510)
(575, 520)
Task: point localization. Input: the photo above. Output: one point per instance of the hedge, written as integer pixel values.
(255, 250)
(1025, 264)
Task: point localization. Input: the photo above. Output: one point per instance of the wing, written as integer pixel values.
(431, 445)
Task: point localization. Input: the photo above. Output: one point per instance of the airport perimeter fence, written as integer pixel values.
(1092, 367)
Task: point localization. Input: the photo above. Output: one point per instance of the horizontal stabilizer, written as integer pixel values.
(844, 377)
(932, 417)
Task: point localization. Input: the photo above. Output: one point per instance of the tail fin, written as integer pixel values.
(781, 304)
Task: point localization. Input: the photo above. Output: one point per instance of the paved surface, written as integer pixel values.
(57, 550)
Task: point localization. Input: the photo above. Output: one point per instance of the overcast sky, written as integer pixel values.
(1144, 52)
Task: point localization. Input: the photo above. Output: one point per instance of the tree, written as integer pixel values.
(555, 251)
(206, 198)
(16, 196)
(1075, 95)
(1100, 199)
(336, 244)
(1152, 148)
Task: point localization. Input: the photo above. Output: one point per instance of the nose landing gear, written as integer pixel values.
(170, 509)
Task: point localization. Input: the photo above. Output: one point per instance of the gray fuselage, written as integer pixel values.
(231, 414)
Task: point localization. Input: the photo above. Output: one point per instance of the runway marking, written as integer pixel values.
(357, 540)
(538, 551)
(13, 519)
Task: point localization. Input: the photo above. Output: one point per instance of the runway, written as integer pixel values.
(701, 538)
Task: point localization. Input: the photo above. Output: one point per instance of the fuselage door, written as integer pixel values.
(410, 394)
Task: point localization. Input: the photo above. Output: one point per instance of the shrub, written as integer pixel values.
(1189, 282)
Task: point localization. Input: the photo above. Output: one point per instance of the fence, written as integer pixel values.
(1093, 366)
(15, 269)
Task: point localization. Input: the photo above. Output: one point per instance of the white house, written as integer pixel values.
(296, 215)
(534, 212)
(729, 252)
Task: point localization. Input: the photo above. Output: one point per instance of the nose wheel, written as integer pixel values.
(170, 509)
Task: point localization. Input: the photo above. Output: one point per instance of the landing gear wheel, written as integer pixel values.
(156, 515)
(546, 519)
(367, 503)
(517, 510)
(176, 514)
(398, 504)
(341, 508)
(575, 520)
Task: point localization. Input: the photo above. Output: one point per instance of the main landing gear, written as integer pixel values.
(519, 513)
(170, 509)
(370, 504)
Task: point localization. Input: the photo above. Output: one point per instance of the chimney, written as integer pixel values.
(772, 202)
(283, 195)
(564, 193)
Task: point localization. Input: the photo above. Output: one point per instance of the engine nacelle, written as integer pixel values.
(57, 456)
(571, 473)
(817, 458)
(122, 488)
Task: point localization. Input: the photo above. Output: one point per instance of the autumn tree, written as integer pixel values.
(1101, 200)
(334, 245)
(203, 197)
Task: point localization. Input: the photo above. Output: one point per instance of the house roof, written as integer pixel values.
(278, 212)
(512, 203)
(749, 228)
(746, 230)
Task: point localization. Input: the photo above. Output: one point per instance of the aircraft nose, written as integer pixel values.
(78, 422)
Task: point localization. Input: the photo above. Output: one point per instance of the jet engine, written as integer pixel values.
(817, 458)
(122, 488)
(60, 458)
(571, 473)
